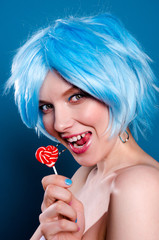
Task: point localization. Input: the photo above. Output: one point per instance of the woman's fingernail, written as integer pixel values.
(68, 181)
(78, 228)
(76, 220)
(70, 203)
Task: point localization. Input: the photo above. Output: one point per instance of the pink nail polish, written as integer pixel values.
(78, 229)
(70, 203)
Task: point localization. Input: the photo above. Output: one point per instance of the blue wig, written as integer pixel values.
(97, 55)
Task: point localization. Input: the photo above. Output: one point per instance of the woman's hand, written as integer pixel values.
(62, 214)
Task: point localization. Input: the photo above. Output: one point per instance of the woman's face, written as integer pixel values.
(76, 119)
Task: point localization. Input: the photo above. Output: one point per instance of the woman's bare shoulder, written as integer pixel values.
(82, 172)
(137, 174)
(134, 204)
(79, 178)
(137, 181)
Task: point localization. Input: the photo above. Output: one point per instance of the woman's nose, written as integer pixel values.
(62, 119)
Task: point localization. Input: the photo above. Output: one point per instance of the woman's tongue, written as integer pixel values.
(83, 140)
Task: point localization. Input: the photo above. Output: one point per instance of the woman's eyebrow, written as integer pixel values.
(67, 92)
(43, 102)
(70, 90)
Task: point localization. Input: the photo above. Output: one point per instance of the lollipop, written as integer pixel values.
(47, 155)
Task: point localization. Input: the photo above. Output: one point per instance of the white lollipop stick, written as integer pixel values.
(55, 170)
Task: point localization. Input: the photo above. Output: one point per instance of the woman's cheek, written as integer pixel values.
(94, 113)
(48, 122)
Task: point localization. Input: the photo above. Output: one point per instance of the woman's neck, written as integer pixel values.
(122, 155)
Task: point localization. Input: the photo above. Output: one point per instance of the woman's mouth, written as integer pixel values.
(79, 143)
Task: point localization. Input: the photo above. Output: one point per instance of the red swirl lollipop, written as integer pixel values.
(47, 155)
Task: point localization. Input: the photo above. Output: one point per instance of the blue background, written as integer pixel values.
(20, 174)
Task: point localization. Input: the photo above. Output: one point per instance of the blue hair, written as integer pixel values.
(96, 54)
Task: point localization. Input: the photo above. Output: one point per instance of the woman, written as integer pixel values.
(85, 82)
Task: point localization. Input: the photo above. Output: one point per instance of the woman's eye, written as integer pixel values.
(75, 97)
(45, 108)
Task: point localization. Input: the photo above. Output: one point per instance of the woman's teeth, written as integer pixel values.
(75, 139)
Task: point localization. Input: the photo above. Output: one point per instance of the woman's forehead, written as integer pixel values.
(56, 84)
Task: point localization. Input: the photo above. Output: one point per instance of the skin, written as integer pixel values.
(115, 194)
